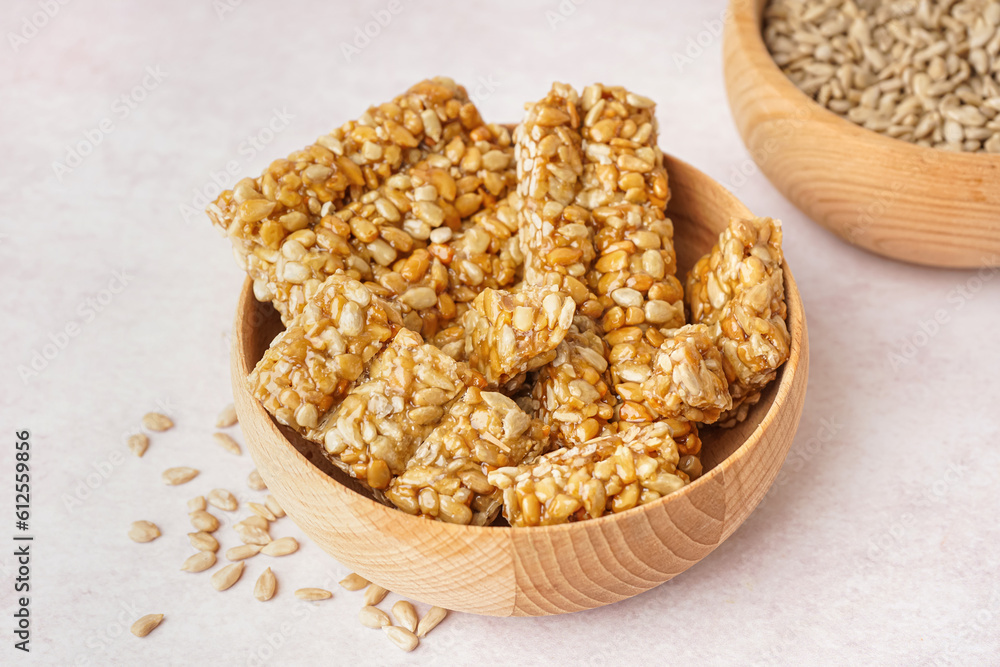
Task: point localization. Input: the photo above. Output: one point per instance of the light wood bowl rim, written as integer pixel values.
(797, 329)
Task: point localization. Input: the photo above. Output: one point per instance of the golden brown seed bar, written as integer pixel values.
(556, 235)
(737, 289)
(294, 195)
(312, 364)
(440, 191)
(380, 423)
(572, 393)
(425, 205)
(754, 342)
(508, 334)
(747, 251)
(606, 475)
(485, 253)
(446, 478)
(688, 380)
(624, 185)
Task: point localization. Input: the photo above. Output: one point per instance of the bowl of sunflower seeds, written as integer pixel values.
(511, 370)
(879, 120)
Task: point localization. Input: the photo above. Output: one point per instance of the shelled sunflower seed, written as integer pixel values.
(199, 562)
(431, 620)
(281, 547)
(353, 582)
(373, 617)
(266, 584)
(313, 594)
(154, 421)
(203, 541)
(222, 499)
(405, 615)
(227, 417)
(143, 531)
(146, 624)
(227, 576)
(243, 551)
(203, 521)
(227, 443)
(401, 637)
(179, 475)
(255, 482)
(924, 71)
(138, 443)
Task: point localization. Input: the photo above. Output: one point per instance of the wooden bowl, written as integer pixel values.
(504, 571)
(889, 196)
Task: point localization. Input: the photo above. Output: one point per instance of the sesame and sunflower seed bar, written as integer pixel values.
(688, 380)
(738, 290)
(624, 185)
(398, 225)
(446, 478)
(612, 473)
(747, 251)
(556, 235)
(377, 427)
(313, 364)
(293, 197)
(754, 342)
(508, 334)
(484, 253)
(572, 393)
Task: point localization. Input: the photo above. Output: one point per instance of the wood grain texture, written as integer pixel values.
(504, 571)
(889, 196)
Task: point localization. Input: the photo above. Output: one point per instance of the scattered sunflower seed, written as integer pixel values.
(154, 421)
(313, 594)
(255, 481)
(227, 576)
(227, 417)
(146, 624)
(281, 547)
(405, 615)
(228, 444)
(197, 503)
(266, 584)
(138, 443)
(199, 562)
(222, 499)
(204, 521)
(243, 551)
(143, 531)
(251, 534)
(431, 620)
(257, 522)
(179, 475)
(272, 504)
(262, 511)
(401, 637)
(374, 594)
(354, 582)
(203, 541)
(373, 617)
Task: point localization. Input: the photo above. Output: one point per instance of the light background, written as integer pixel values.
(878, 543)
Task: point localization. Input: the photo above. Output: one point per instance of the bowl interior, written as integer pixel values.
(699, 208)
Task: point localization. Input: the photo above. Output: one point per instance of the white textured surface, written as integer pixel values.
(878, 544)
